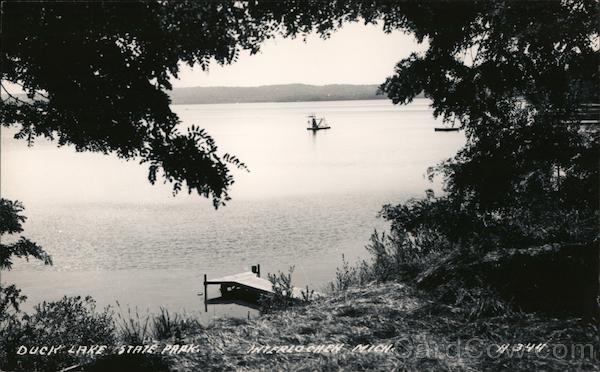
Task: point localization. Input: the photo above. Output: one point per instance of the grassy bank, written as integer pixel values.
(415, 332)
(424, 335)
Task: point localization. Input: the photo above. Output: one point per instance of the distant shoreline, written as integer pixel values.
(299, 101)
(275, 93)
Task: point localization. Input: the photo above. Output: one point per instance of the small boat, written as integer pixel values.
(316, 124)
(446, 129)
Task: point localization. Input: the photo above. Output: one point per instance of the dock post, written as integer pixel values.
(256, 269)
(205, 295)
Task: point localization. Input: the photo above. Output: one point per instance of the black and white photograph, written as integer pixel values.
(300, 185)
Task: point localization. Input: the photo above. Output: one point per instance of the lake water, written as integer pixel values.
(307, 200)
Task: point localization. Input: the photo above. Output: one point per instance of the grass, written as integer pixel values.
(419, 329)
(133, 328)
(425, 334)
(138, 330)
(174, 327)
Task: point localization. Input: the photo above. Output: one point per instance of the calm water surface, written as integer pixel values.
(307, 200)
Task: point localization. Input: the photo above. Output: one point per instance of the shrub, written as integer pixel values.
(283, 296)
(486, 261)
(348, 276)
(69, 321)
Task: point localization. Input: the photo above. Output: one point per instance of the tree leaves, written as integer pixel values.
(514, 75)
(11, 223)
(104, 68)
(23, 248)
(10, 218)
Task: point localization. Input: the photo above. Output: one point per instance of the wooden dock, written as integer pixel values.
(243, 288)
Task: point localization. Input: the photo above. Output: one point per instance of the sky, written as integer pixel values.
(356, 54)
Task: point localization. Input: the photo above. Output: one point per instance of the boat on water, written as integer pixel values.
(446, 129)
(316, 124)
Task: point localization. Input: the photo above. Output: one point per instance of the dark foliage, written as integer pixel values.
(10, 300)
(521, 79)
(554, 279)
(515, 76)
(11, 221)
(97, 72)
(69, 321)
(75, 322)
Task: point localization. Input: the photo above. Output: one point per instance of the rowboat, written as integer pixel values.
(316, 124)
(446, 129)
